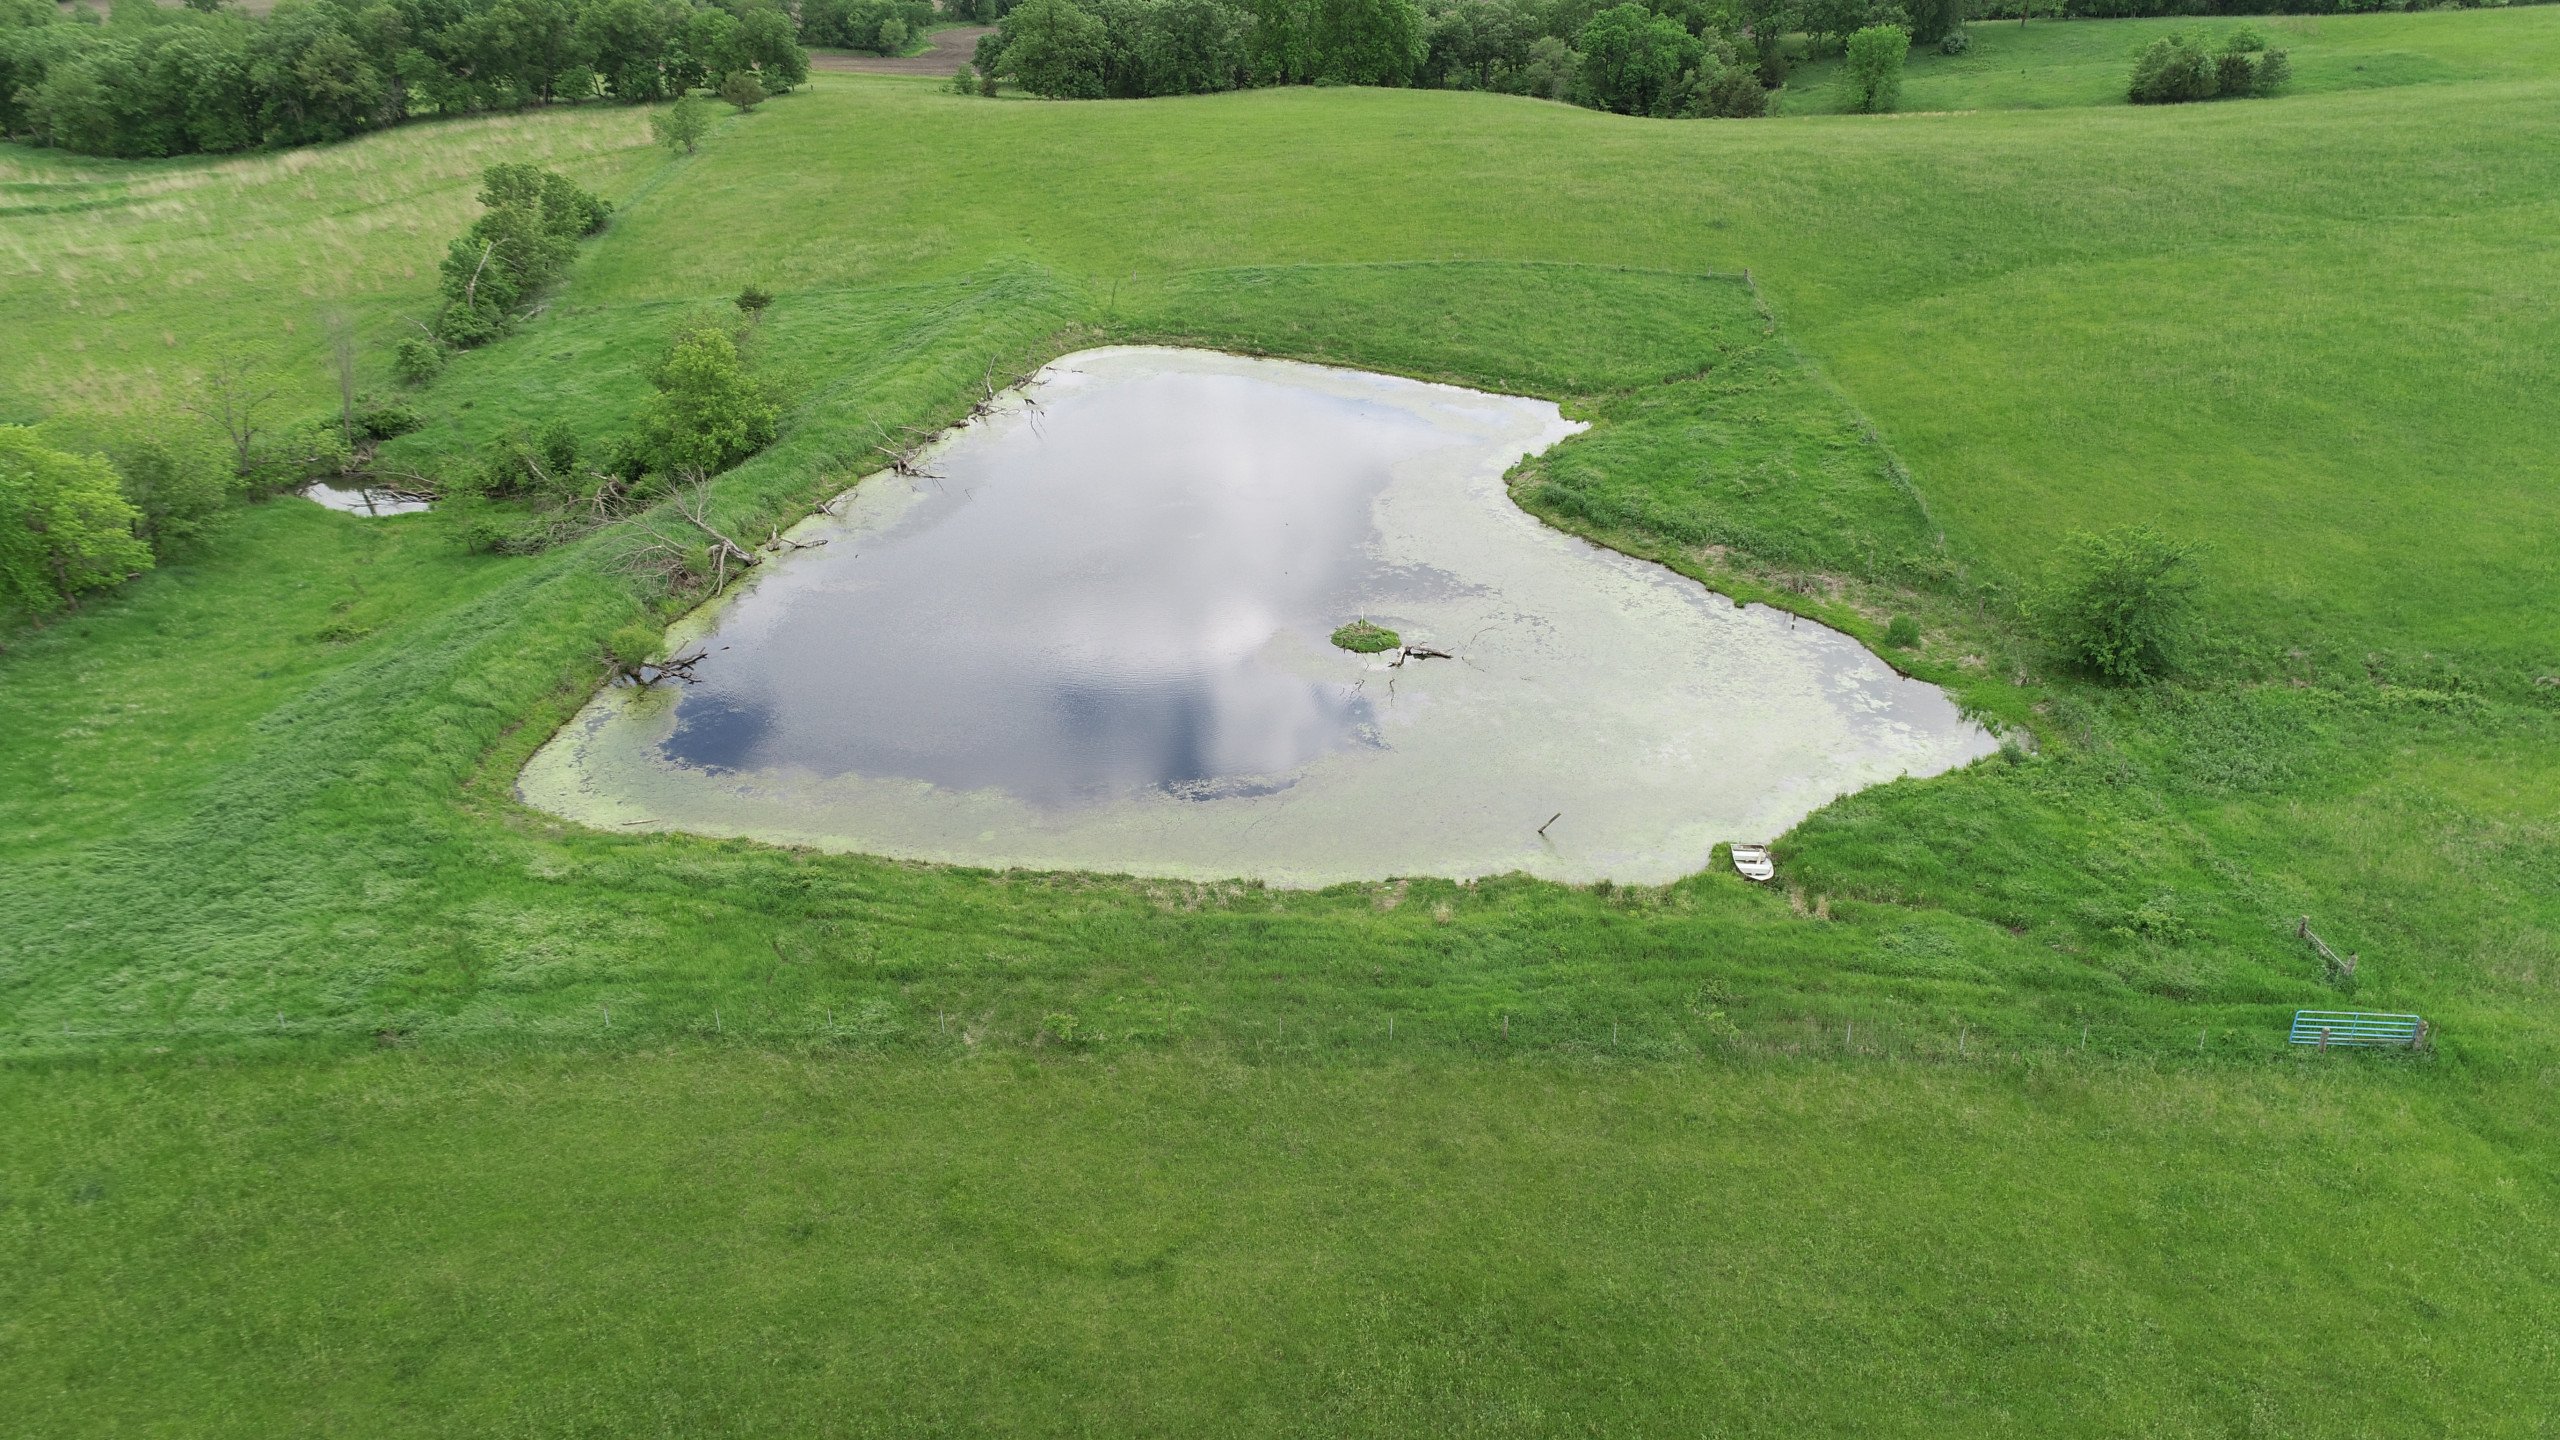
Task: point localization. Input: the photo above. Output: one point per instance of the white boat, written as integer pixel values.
(1752, 862)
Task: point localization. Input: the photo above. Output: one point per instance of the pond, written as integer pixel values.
(367, 500)
(1095, 635)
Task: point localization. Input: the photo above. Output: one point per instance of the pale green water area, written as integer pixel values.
(1095, 638)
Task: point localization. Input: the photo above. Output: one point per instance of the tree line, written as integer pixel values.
(149, 81)
(1672, 58)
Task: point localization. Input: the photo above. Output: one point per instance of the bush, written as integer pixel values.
(682, 125)
(742, 89)
(177, 478)
(1902, 633)
(1874, 67)
(2121, 604)
(2170, 70)
(416, 359)
(752, 300)
(386, 420)
(2274, 69)
(65, 526)
(1956, 41)
(964, 81)
(2233, 74)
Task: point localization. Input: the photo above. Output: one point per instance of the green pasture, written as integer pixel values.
(347, 1095)
(718, 1241)
(2052, 63)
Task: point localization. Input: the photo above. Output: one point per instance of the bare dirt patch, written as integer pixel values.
(951, 48)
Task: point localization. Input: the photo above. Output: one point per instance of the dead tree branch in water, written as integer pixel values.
(677, 667)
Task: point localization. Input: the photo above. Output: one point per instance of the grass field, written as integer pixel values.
(2047, 64)
(350, 1096)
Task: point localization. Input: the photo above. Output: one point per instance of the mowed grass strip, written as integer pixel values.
(714, 1242)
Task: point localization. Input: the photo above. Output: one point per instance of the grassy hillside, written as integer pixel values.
(350, 1095)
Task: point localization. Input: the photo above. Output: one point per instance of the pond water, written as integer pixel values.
(366, 501)
(1094, 636)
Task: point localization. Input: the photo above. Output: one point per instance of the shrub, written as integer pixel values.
(964, 81)
(177, 478)
(2233, 74)
(416, 359)
(65, 526)
(742, 89)
(2121, 604)
(2274, 69)
(2245, 40)
(1902, 633)
(1956, 41)
(752, 300)
(682, 125)
(1874, 67)
(386, 420)
(2171, 69)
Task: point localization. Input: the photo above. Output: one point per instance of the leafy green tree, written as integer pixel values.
(2121, 604)
(1184, 47)
(65, 526)
(707, 47)
(1478, 44)
(1632, 59)
(682, 125)
(709, 413)
(766, 41)
(628, 41)
(1281, 43)
(1054, 48)
(1369, 42)
(526, 235)
(1765, 26)
(1550, 73)
(1934, 20)
(1874, 67)
(177, 484)
(1725, 85)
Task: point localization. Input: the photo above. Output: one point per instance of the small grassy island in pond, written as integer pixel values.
(1363, 637)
